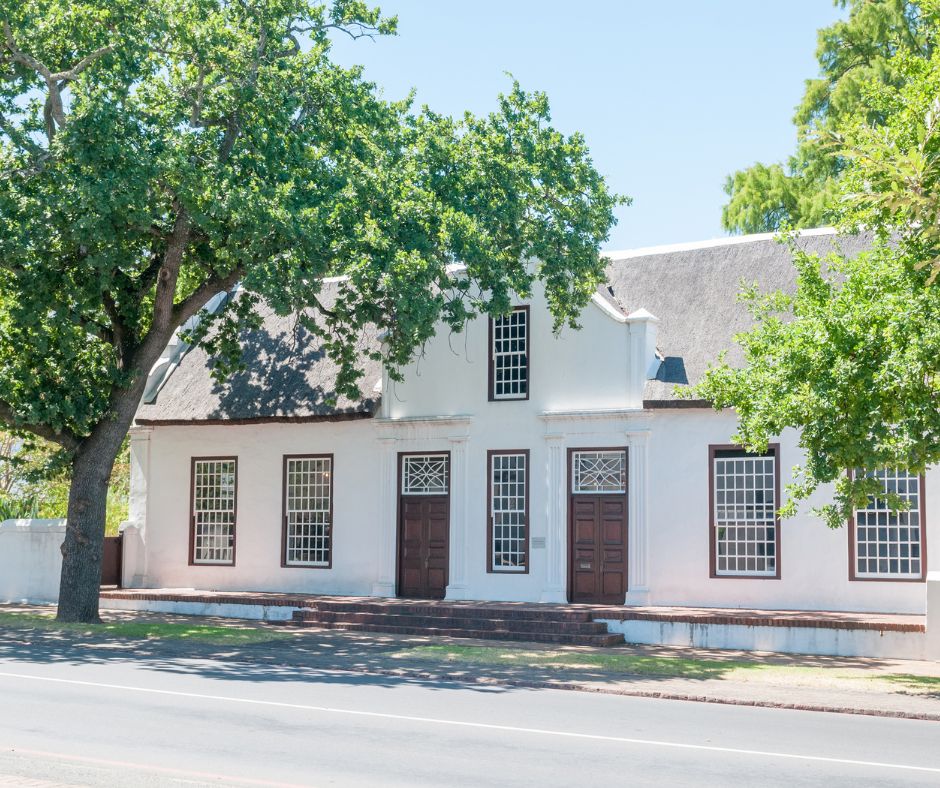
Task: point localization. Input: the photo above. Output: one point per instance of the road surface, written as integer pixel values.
(142, 722)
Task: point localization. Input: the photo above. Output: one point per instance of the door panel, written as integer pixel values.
(423, 547)
(598, 549)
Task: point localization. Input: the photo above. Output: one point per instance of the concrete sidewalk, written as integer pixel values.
(855, 685)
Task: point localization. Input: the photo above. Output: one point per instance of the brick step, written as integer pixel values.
(450, 611)
(482, 634)
(453, 622)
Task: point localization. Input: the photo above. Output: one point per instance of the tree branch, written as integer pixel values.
(53, 111)
(118, 333)
(190, 305)
(81, 65)
(18, 56)
(362, 30)
(19, 138)
(169, 272)
(64, 438)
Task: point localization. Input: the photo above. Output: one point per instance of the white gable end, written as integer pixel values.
(602, 366)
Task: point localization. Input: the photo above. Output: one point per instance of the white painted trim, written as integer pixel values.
(555, 521)
(608, 308)
(553, 416)
(637, 518)
(457, 586)
(637, 316)
(642, 316)
(433, 420)
(626, 254)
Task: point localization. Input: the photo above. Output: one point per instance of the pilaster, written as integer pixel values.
(638, 520)
(457, 574)
(556, 542)
(388, 526)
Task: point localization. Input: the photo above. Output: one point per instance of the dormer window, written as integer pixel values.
(509, 355)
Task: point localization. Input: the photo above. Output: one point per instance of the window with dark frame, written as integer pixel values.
(508, 511)
(214, 489)
(745, 526)
(889, 545)
(425, 474)
(600, 471)
(509, 355)
(308, 510)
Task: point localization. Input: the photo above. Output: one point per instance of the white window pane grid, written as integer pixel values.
(600, 471)
(510, 354)
(745, 516)
(308, 511)
(888, 544)
(214, 511)
(424, 474)
(507, 508)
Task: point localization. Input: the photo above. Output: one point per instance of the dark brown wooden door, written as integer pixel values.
(111, 561)
(423, 546)
(598, 549)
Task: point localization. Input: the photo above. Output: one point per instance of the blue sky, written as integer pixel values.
(670, 96)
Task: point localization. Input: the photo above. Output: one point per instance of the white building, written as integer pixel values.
(513, 464)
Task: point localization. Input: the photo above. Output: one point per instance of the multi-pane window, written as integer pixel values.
(509, 356)
(508, 511)
(424, 474)
(744, 518)
(213, 515)
(599, 471)
(308, 510)
(889, 544)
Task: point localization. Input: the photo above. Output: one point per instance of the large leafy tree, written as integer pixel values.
(852, 357)
(852, 360)
(156, 152)
(852, 54)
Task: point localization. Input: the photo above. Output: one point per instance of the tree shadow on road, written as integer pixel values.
(272, 653)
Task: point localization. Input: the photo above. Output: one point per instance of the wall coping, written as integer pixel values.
(34, 525)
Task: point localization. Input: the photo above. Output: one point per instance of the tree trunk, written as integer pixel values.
(84, 534)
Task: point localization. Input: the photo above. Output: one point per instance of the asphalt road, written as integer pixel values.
(200, 722)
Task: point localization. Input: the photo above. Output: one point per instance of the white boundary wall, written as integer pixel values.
(787, 640)
(30, 560)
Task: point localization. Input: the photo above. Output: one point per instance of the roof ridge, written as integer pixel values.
(689, 246)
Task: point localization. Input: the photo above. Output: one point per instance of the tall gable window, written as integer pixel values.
(887, 545)
(213, 507)
(509, 355)
(509, 511)
(308, 511)
(745, 530)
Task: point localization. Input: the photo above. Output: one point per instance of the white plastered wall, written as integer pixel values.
(814, 559)
(260, 449)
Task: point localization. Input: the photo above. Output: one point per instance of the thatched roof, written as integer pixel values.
(288, 377)
(691, 288)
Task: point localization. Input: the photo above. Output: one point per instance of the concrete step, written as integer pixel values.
(481, 634)
(520, 625)
(528, 612)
